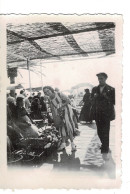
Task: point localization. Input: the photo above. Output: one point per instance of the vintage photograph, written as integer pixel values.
(63, 96)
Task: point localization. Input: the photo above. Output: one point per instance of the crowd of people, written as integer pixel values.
(34, 104)
(60, 110)
(23, 111)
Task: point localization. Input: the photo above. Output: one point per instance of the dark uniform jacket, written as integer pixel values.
(103, 103)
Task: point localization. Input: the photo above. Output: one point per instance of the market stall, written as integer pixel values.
(31, 45)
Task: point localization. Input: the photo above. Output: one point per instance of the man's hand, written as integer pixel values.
(29, 124)
(60, 109)
(95, 95)
(105, 95)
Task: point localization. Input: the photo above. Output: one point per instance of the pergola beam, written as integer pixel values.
(72, 54)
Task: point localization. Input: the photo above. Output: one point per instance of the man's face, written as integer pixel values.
(102, 80)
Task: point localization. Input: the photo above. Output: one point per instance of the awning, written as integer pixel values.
(14, 86)
(58, 41)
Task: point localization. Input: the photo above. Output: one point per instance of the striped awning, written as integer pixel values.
(58, 41)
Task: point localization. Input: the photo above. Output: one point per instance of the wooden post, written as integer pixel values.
(12, 73)
(12, 81)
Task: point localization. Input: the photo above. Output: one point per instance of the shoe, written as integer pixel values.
(73, 147)
(106, 156)
(67, 143)
(62, 147)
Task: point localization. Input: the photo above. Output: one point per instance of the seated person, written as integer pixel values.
(14, 136)
(22, 120)
(43, 104)
(36, 109)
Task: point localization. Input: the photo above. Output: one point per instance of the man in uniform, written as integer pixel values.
(103, 98)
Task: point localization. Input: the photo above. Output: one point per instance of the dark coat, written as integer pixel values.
(103, 103)
(85, 111)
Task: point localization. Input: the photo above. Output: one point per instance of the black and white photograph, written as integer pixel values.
(63, 83)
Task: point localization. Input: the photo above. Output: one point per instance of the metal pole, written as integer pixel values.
(41, 76)
(29, 76)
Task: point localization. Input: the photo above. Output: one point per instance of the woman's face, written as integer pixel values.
(48, 92)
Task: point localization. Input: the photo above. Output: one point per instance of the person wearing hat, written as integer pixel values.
(22, 94)
(103, 101)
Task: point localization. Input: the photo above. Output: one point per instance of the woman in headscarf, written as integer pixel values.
(85, 112)
(62, 115)
(22, 120)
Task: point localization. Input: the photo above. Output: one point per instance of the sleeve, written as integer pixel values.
(93, 98)
(84, 98)
(112, 97)
(64, 98)
(92, 94)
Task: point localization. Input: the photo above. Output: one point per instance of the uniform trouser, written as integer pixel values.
(103, 128)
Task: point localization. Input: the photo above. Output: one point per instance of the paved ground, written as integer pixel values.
(67, 161)
(87, 160)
